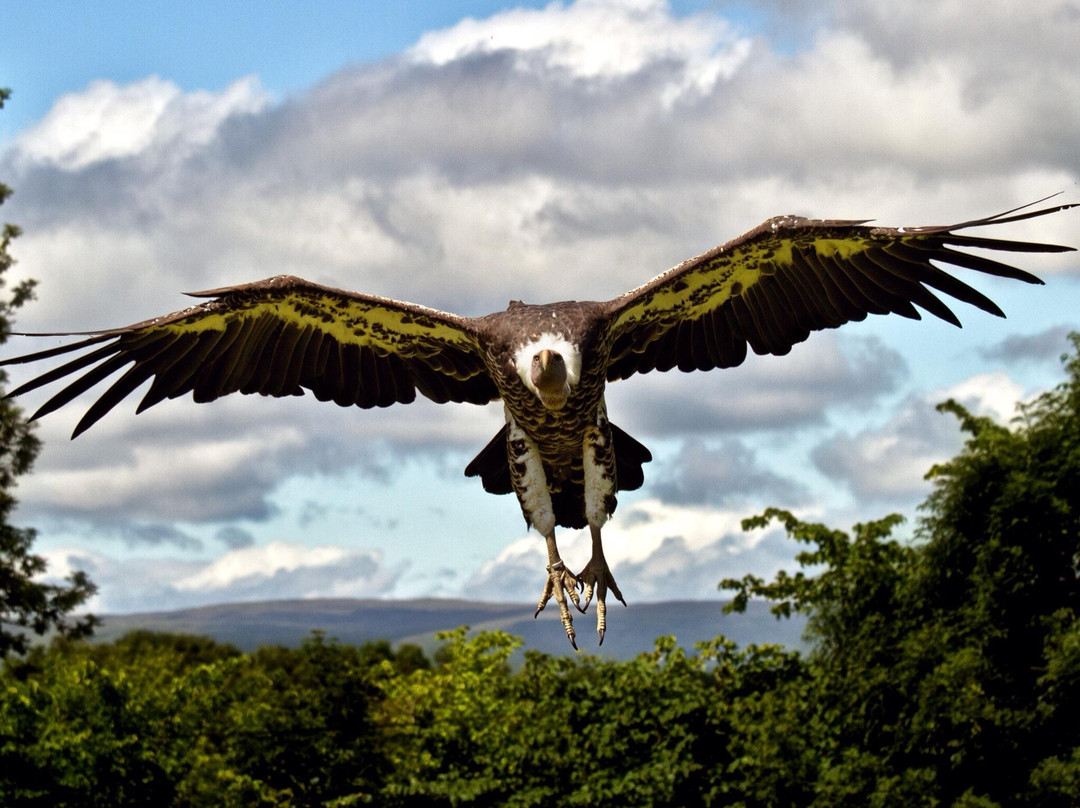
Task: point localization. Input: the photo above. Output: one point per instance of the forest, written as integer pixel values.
(944, 671)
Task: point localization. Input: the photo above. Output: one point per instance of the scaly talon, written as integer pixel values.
(597, 578)
(560, 582)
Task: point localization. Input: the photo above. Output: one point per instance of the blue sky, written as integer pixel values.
(51, 47)
(57, 46)
(462, 154)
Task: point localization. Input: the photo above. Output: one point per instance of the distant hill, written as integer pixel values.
(630, 630)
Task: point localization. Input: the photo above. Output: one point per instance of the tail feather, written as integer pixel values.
(492, 466)
(630, 455)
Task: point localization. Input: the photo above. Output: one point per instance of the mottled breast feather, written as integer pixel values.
(557, 434)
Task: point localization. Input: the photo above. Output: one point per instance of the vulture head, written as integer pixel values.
(550, 368)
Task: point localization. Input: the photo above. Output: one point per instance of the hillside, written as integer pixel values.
(630, 630)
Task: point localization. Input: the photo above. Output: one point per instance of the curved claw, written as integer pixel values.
(597, 578)
(560, 583)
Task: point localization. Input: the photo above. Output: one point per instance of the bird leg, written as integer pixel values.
(560, 581)
(597, 576)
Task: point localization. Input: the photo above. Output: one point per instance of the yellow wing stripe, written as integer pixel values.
(381, 328)
(730, 273)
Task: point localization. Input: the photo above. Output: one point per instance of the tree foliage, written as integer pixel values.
(172, 720)
(948, 668)
(652, 731)
(26, 603)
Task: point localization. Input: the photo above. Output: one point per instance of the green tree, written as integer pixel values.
(26, 603)
(156, 719)
(76, 733)
(946, 670)
(663, 729)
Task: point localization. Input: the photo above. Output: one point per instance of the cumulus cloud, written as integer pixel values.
(151, 117)
(129, 584)
(890, 462)
(597, 39)
(280, 569)
(723, 474)
(656, 551)
(979, 47)
(990, 394)
(1043, 346)
(765, 393)
(276, 570)
(143, 480)
(224, 461)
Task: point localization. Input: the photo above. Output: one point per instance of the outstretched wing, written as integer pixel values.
(789, 276)
(276, 337)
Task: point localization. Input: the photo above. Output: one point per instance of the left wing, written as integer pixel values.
(276, 337)
(789, 276)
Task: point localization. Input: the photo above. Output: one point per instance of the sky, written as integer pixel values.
(463, 154)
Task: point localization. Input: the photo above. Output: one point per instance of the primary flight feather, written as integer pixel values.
(558, 452)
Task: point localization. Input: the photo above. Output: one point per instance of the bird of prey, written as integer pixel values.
(548, 363)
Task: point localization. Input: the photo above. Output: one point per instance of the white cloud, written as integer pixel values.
(765, 393)
(656, 551)
(276, 570)
(724, 473)
(990, 394)
(142, 482)
(124, 584)
(598, 39)
(290, 570)
(889, 462)
(986, 47)
(225, 460)
(108, 121)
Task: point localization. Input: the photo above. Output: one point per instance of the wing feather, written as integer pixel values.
(771, 287)
(168, 365)
(855, 302)
(878, 299)
(900, 294)
(835, 289)
(118, 390)
(277, 337)
(83, 383)
(210, 385)
(349, 362)
(231, 370)
(65, 369)
(280, 364)
(917, 293)
(733, 345)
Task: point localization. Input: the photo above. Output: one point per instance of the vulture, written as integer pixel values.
(548, 363)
